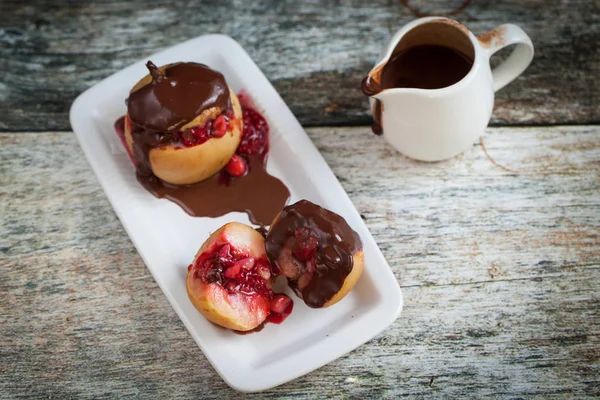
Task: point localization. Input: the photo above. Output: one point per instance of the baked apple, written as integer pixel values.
(318, 252)
(230, 280)
(183, 123)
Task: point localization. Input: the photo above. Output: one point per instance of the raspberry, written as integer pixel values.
(237, 166)
(220, 126)
(255, 136)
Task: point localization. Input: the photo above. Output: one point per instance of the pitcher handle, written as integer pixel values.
(519, 59)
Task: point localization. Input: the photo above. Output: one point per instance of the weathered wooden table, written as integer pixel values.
(499, 261)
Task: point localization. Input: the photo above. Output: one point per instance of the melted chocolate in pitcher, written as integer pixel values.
(418, 67)
(176, 96)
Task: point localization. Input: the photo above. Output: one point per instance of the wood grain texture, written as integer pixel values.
(315, 53)
(500, 273)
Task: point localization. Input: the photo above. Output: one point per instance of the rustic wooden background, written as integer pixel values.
(497, 251)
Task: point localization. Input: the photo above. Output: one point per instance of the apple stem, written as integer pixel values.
(157, 74)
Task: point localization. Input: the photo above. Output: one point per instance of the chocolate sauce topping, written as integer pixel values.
(337, 244)
(176, 96)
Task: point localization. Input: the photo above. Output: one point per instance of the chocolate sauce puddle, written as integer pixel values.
(337, 244)
(257, 193)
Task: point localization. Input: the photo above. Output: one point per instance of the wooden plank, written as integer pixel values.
(500, 273)
(315, 56)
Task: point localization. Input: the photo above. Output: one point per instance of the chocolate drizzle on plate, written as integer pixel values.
(257, 193)
(336, 245)
(174, 96)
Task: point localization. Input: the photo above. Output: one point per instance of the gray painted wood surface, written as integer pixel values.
(499, 261)
(315, 52)
(499, 269)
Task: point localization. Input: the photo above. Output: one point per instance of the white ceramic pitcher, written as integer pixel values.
(435, 124)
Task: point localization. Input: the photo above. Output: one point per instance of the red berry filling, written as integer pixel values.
(281, 307)
(255, 137)
(254, 142)
(220, 126)
(216, 128)
(234, 270)
(238, 272)
(306, 244)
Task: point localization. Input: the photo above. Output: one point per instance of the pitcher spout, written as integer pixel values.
(371, 84)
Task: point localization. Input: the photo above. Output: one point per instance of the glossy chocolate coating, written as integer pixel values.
(337, 245)
(176, 96)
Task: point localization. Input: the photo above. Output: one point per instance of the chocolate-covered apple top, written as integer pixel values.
(336, 245)
(176, 96)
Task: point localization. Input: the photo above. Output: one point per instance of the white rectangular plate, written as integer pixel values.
(167, 238)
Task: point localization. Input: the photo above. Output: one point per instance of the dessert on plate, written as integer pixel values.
(194, 143)
(230, 280)
(183, 123)
(319, 253)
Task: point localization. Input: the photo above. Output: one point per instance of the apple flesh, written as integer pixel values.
(230, 280)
